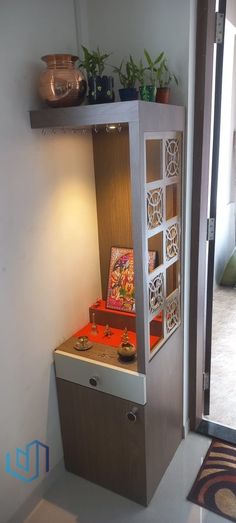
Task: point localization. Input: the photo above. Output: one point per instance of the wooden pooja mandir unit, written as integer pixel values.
(121, 421)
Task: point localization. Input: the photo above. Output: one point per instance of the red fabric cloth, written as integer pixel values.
(114, 340)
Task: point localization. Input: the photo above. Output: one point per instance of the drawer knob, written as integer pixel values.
(93, 381)
(132, 415)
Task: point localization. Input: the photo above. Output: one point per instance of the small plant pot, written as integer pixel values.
(128, 93)
(101, 89)
(163, 95)
(147, 93)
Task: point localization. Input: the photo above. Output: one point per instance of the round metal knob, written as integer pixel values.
(93, 381)
(132, 415)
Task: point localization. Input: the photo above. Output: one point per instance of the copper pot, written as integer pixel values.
(61, 85)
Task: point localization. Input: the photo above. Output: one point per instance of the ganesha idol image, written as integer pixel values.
(121, 280)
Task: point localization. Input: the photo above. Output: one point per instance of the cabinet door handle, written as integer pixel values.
(132, 415)
(94, 381)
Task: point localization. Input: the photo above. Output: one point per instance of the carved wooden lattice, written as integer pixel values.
(172, 241)
(155, 207)
(156, 294)
(172, 313)
(172, 157)
(163, 230)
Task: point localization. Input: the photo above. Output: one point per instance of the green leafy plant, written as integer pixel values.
(94, 62)
(160, 75)
(141, 72)
(153, 65)
(127, 73)
(164, 76)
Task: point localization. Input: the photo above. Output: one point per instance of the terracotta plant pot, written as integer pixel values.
(147, 93)
(128, 93)
(61, 85)
(101, 89)
(163, 95)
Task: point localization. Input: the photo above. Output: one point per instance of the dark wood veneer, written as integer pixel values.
(100, 443)
(164, 409)
(112, 176)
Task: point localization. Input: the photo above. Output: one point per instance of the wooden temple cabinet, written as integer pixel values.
(121, 421)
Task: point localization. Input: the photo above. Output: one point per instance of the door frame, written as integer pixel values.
(213, 209)
(205, 38)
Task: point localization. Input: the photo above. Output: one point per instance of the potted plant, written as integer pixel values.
(101, 87)
(128, 76)
(147, 92)
(165, 78)
(148, 88)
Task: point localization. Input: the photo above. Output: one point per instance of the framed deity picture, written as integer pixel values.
(121, 292)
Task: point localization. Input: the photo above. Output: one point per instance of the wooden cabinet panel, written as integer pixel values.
(100, 443)
(164, 409)
(112, 175)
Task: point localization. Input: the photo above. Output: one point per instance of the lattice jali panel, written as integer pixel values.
(172, 157)
(154, 208)
(172, 241)
(172, 313)
(156, 294)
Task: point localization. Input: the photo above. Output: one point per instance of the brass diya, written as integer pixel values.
(83, 343)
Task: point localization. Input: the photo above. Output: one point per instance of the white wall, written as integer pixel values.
(48, 238)
(47, 196)
(128, 27)
(225, 220)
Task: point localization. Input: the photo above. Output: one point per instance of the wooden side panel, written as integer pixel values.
(99, 442)
(164, 410)
(112, 175)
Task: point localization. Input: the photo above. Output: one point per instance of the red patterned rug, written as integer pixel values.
(215, 485)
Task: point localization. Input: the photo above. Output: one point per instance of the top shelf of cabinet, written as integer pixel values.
(102, 114)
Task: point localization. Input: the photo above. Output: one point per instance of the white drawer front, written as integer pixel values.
(112, 380)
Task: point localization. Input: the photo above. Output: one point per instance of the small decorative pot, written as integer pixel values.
(61, 85)
(147, 93)
(163, 95)
(127, 351)
(128, 93)
(101, 89)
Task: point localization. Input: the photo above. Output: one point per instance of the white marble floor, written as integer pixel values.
(74, 500)
(223, 368)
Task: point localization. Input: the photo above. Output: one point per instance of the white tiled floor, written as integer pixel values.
(74, 500)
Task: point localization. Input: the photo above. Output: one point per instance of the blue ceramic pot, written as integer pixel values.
(128, 93)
